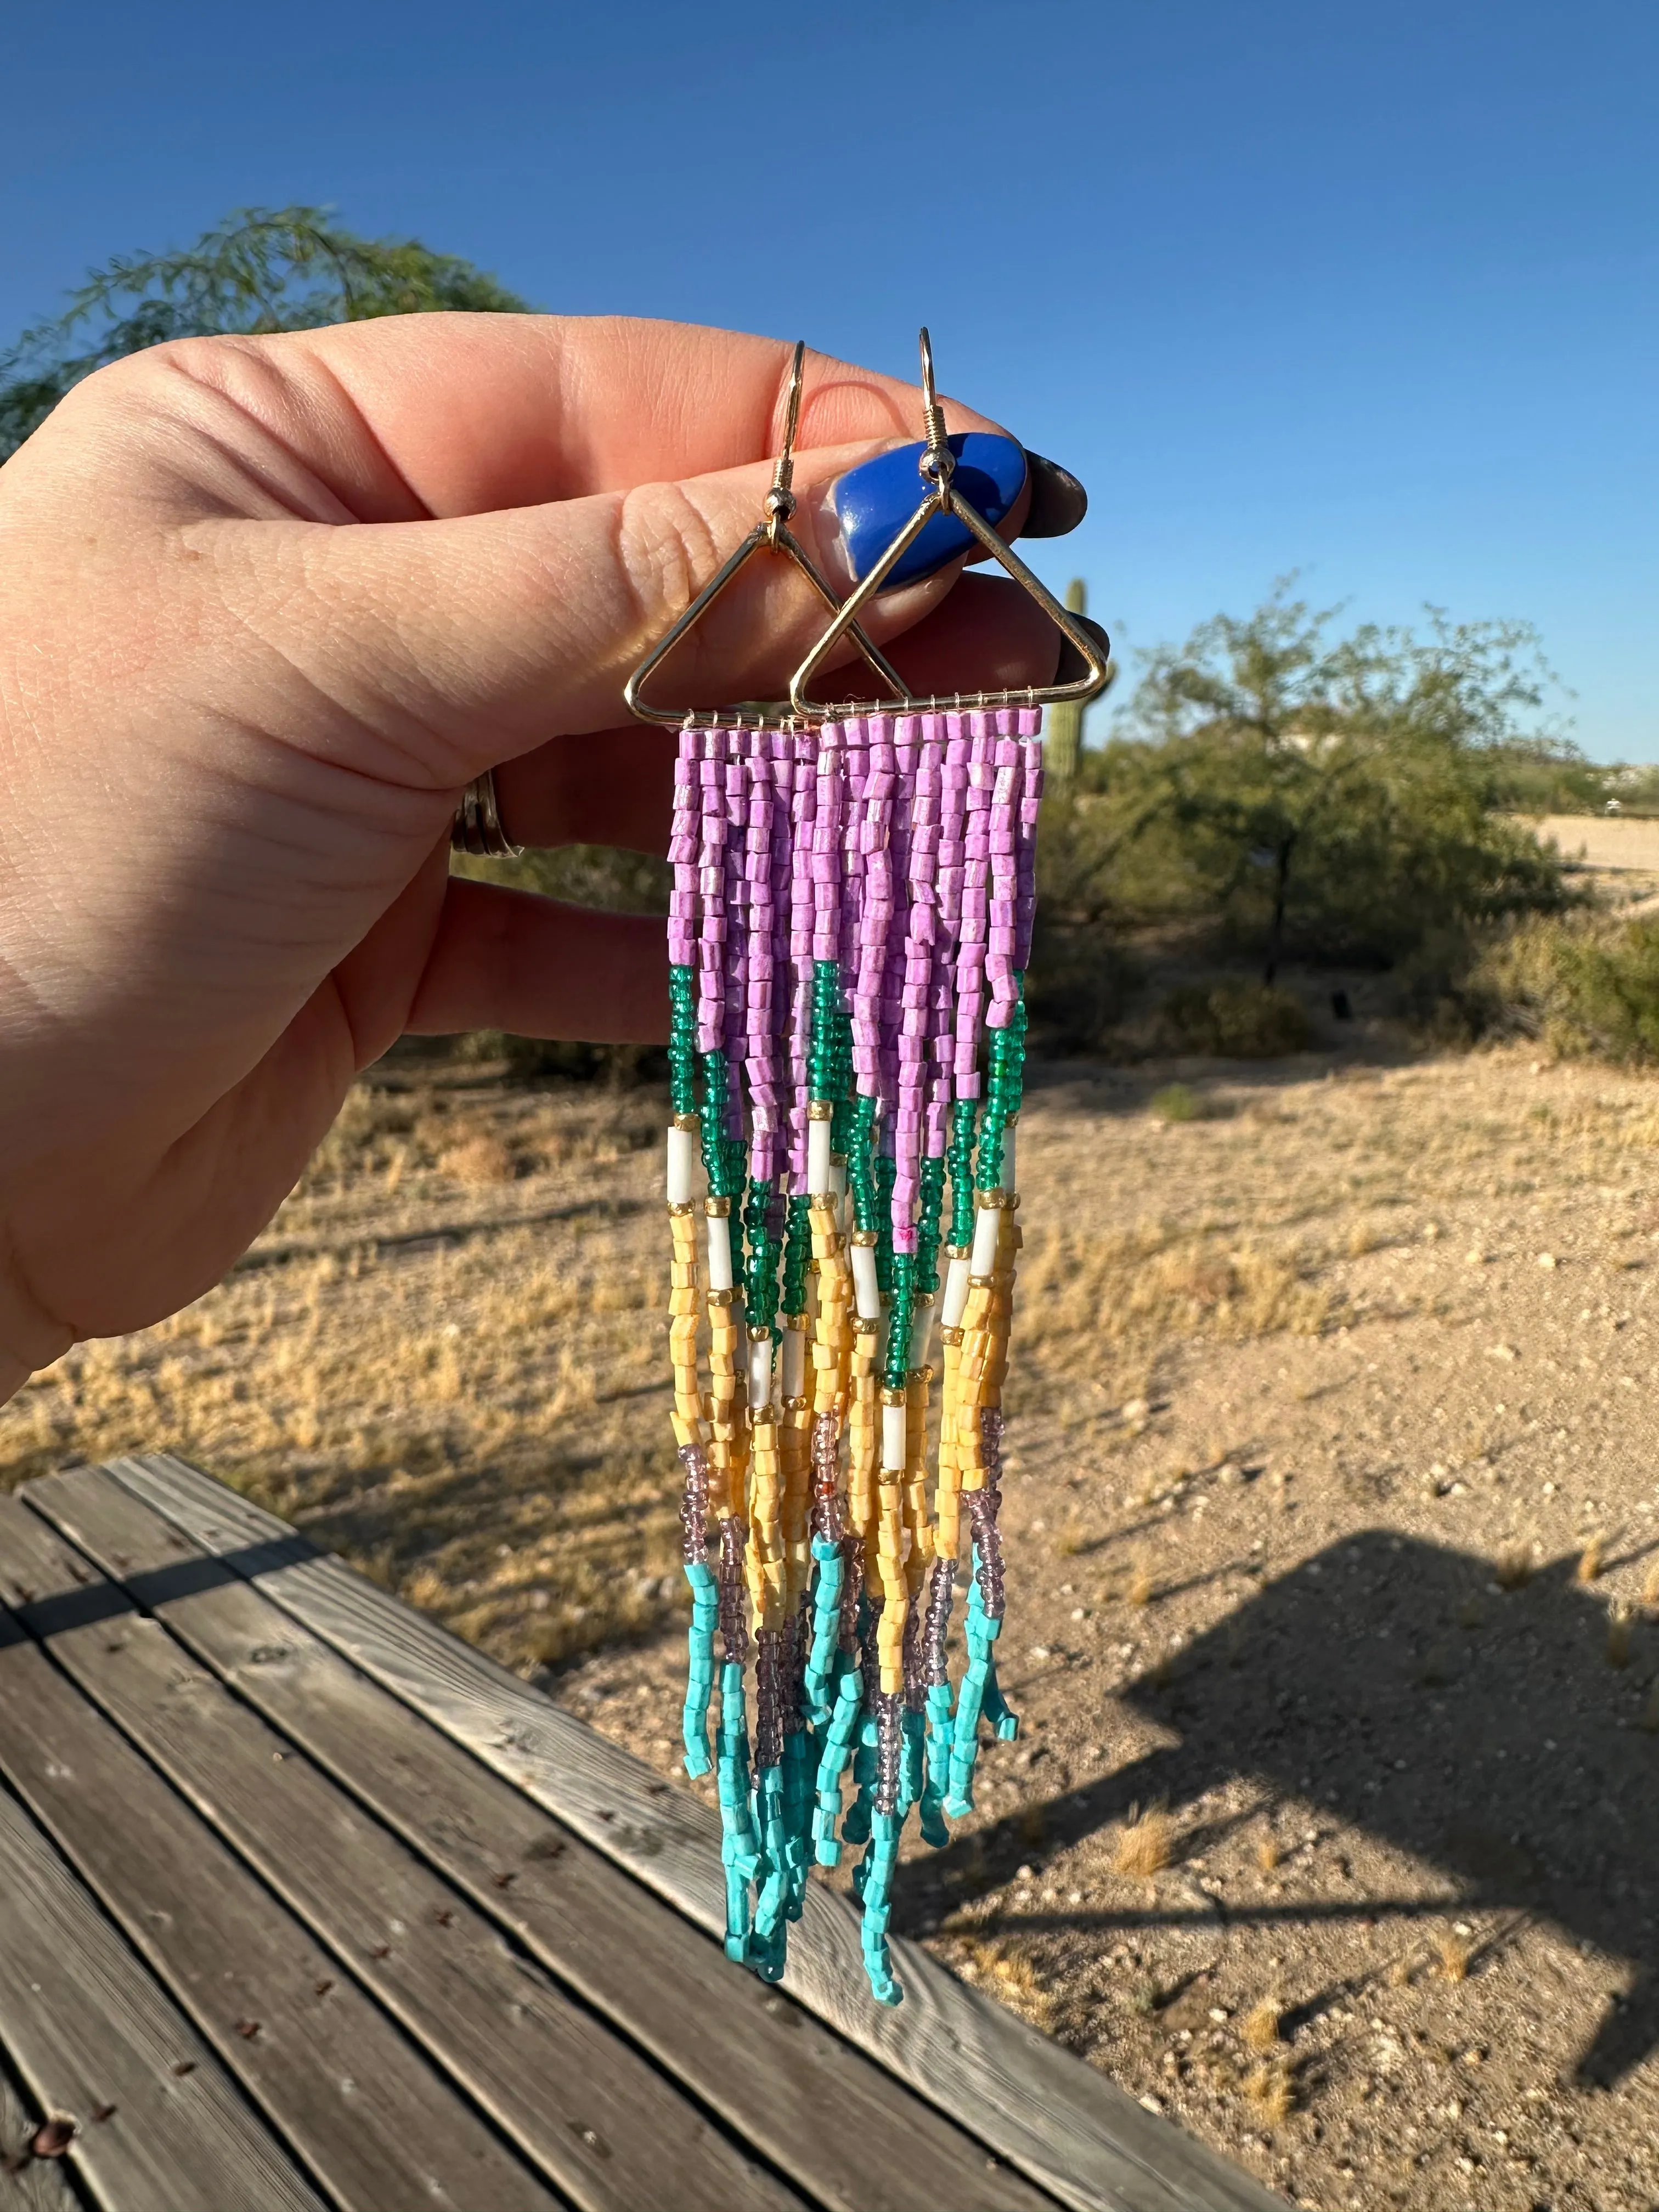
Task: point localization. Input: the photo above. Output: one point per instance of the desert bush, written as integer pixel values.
(1342, 801)
(1583, 984)
(1236, 1021)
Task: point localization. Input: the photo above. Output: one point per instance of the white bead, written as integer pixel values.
(819, 1180)
(892, 1439)
(682, 1166)
(921, 1331)
(760, 1371)
(988, 1223)
(866, 1295)
(955, 1302)
(794, 1363)
(720, 1252)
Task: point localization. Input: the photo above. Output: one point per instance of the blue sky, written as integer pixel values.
(1367, 290)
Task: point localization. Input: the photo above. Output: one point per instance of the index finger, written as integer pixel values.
(474, 413)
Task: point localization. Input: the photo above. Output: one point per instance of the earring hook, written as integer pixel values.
(937, 468)
(774, 532)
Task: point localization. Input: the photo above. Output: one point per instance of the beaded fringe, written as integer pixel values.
(849, 929)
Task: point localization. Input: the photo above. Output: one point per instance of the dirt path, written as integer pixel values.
(1333, 1519)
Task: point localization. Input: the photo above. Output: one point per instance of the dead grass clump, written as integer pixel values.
(1454, 1952)
(1145, 1286)
(1514, 1563)
(1267, 1851)
(1141, 1588)
(1271, 2088)
(1650, 1586)
(1145, 1843)
(1591, 1560)
(1622, 1622)
(479, 1158)
(1259, 2026)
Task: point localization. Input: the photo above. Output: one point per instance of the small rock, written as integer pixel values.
(1136, 1410)
(1547, 1259)
(1152, 2103)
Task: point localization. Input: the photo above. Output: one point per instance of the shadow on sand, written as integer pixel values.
(1483, 1731)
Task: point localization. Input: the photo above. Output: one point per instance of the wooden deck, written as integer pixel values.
(305, 1903)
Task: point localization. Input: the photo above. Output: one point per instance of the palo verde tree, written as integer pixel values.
(287, 269)
(1344, 795)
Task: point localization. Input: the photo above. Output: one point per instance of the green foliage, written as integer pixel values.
(1178, 1102)
(1237, 1021)
(1584, 985)
(1338, 800)
(262, 269)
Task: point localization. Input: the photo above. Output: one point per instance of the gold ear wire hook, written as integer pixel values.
(773, 533)
(937, 468)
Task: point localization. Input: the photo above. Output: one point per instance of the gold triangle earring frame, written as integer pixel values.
(774, 534)
(937, 467)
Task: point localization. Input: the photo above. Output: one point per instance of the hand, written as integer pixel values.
(266, 605)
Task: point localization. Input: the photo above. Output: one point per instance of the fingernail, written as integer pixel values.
(1059, 502)
(873, 502)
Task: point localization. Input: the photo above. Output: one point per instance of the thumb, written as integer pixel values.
(447, 646)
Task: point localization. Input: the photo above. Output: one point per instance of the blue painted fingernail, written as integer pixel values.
(873, 502)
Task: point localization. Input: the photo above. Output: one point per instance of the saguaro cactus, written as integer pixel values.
(1063, 739)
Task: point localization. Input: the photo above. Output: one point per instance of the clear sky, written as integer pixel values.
(1366, 290)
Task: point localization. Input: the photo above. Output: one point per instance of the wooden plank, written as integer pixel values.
(607, 2127)
(361, 2108)
(854, 2138)
(1058, 2121)
(27, 2184)
(91, 2033)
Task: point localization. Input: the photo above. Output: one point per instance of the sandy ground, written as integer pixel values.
(1333, 1506)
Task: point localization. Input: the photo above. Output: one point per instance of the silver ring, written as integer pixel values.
(477, 828)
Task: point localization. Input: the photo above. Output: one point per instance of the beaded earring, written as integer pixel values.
(850, 923)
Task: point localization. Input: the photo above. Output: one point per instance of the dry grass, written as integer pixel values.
(1267, 1851)
(1141, 1589)
(1146, 1284)
(1145, 1843)
(1271, 2089)
(1591, 1560)
(1621, 1624)
(1454, 1952)
(461, 1398)
(1259, 2026)
(1515, 1565)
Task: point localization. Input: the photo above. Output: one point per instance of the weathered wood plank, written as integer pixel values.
(854, 2138)
(89, 2032)
(27, 2184)
(608, 2128)
(1060, 2122)
(363, 2109)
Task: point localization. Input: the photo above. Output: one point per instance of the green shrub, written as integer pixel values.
(1237, 1021)
(1178, 1102)
(1584, 985)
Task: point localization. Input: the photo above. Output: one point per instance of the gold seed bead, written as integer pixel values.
(820, 1109)
(688, 1122)
(717, 1209)
(867, 1238)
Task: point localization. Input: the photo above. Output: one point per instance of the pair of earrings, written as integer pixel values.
(849, 927)
(939, 498)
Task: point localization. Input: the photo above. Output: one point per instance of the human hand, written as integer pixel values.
(266, 605)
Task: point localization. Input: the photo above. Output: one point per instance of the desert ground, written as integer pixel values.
(1333, 1519)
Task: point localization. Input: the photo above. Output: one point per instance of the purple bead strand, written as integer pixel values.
(1004, 900)
(685, 838)
(1028, 730)
(711, 894)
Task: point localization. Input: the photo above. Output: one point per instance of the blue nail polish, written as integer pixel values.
(874, 501)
